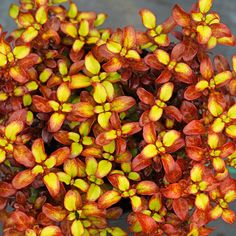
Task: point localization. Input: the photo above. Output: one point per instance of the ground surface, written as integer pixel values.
(125, 12)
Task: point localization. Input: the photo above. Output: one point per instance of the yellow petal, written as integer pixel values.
(230, 196)
(215, 108)
(222, 77)
(94, 192)
(216, 212)
(41, 15)
(3, 60)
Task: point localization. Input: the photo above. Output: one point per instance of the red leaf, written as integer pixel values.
(140, 163)
(6, 190)
(191, 49)
(181, 17)
(55, 213)
(191, 93)
(173, 191)
(181, 208)
(151, 60)
(145, 96)
(122, 103)
(23, 156)
(108, 199)
(189, 111)
(41, 104)
(146, 188)
(147, 223)
(195, 153)
(173, 113)
(21, 220)
(23, 179)
(61, 155)
(195, 127)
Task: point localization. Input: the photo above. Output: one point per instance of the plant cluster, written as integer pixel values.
(95, 122)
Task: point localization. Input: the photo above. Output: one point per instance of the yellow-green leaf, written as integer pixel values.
(148, 18)
(41, 15)
(21, 51)
(91, 64)
(12, 129)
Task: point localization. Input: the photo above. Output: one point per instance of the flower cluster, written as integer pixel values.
(95, 122)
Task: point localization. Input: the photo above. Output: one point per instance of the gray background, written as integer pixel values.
(125, 12)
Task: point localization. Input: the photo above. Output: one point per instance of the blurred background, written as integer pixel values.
(125, 12)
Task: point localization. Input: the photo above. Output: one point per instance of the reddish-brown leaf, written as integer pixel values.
(195, 127)
(6, 189)
(181, 208)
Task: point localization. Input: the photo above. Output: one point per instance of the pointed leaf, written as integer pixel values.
(181, 208)
(55, 213)
(52, 183)
(205, 5)
(195, 127)
(181, 17)
(63, 93)
(91, 64)
(23, 179)
(55, 122)
(103, 169)
(202, 201)
(38, 150)
(13, 129)
(23, 156)
(170, 137)
(69, 29)
(94, 192)
(173, 191)
(51, 230)
(6, 189)
(77, 228)
(122, 103)
(108, 199)
(146, 188)
(148, 18)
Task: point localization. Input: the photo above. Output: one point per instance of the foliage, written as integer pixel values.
(95, 121)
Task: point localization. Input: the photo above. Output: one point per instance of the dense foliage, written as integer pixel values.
(95, 122)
